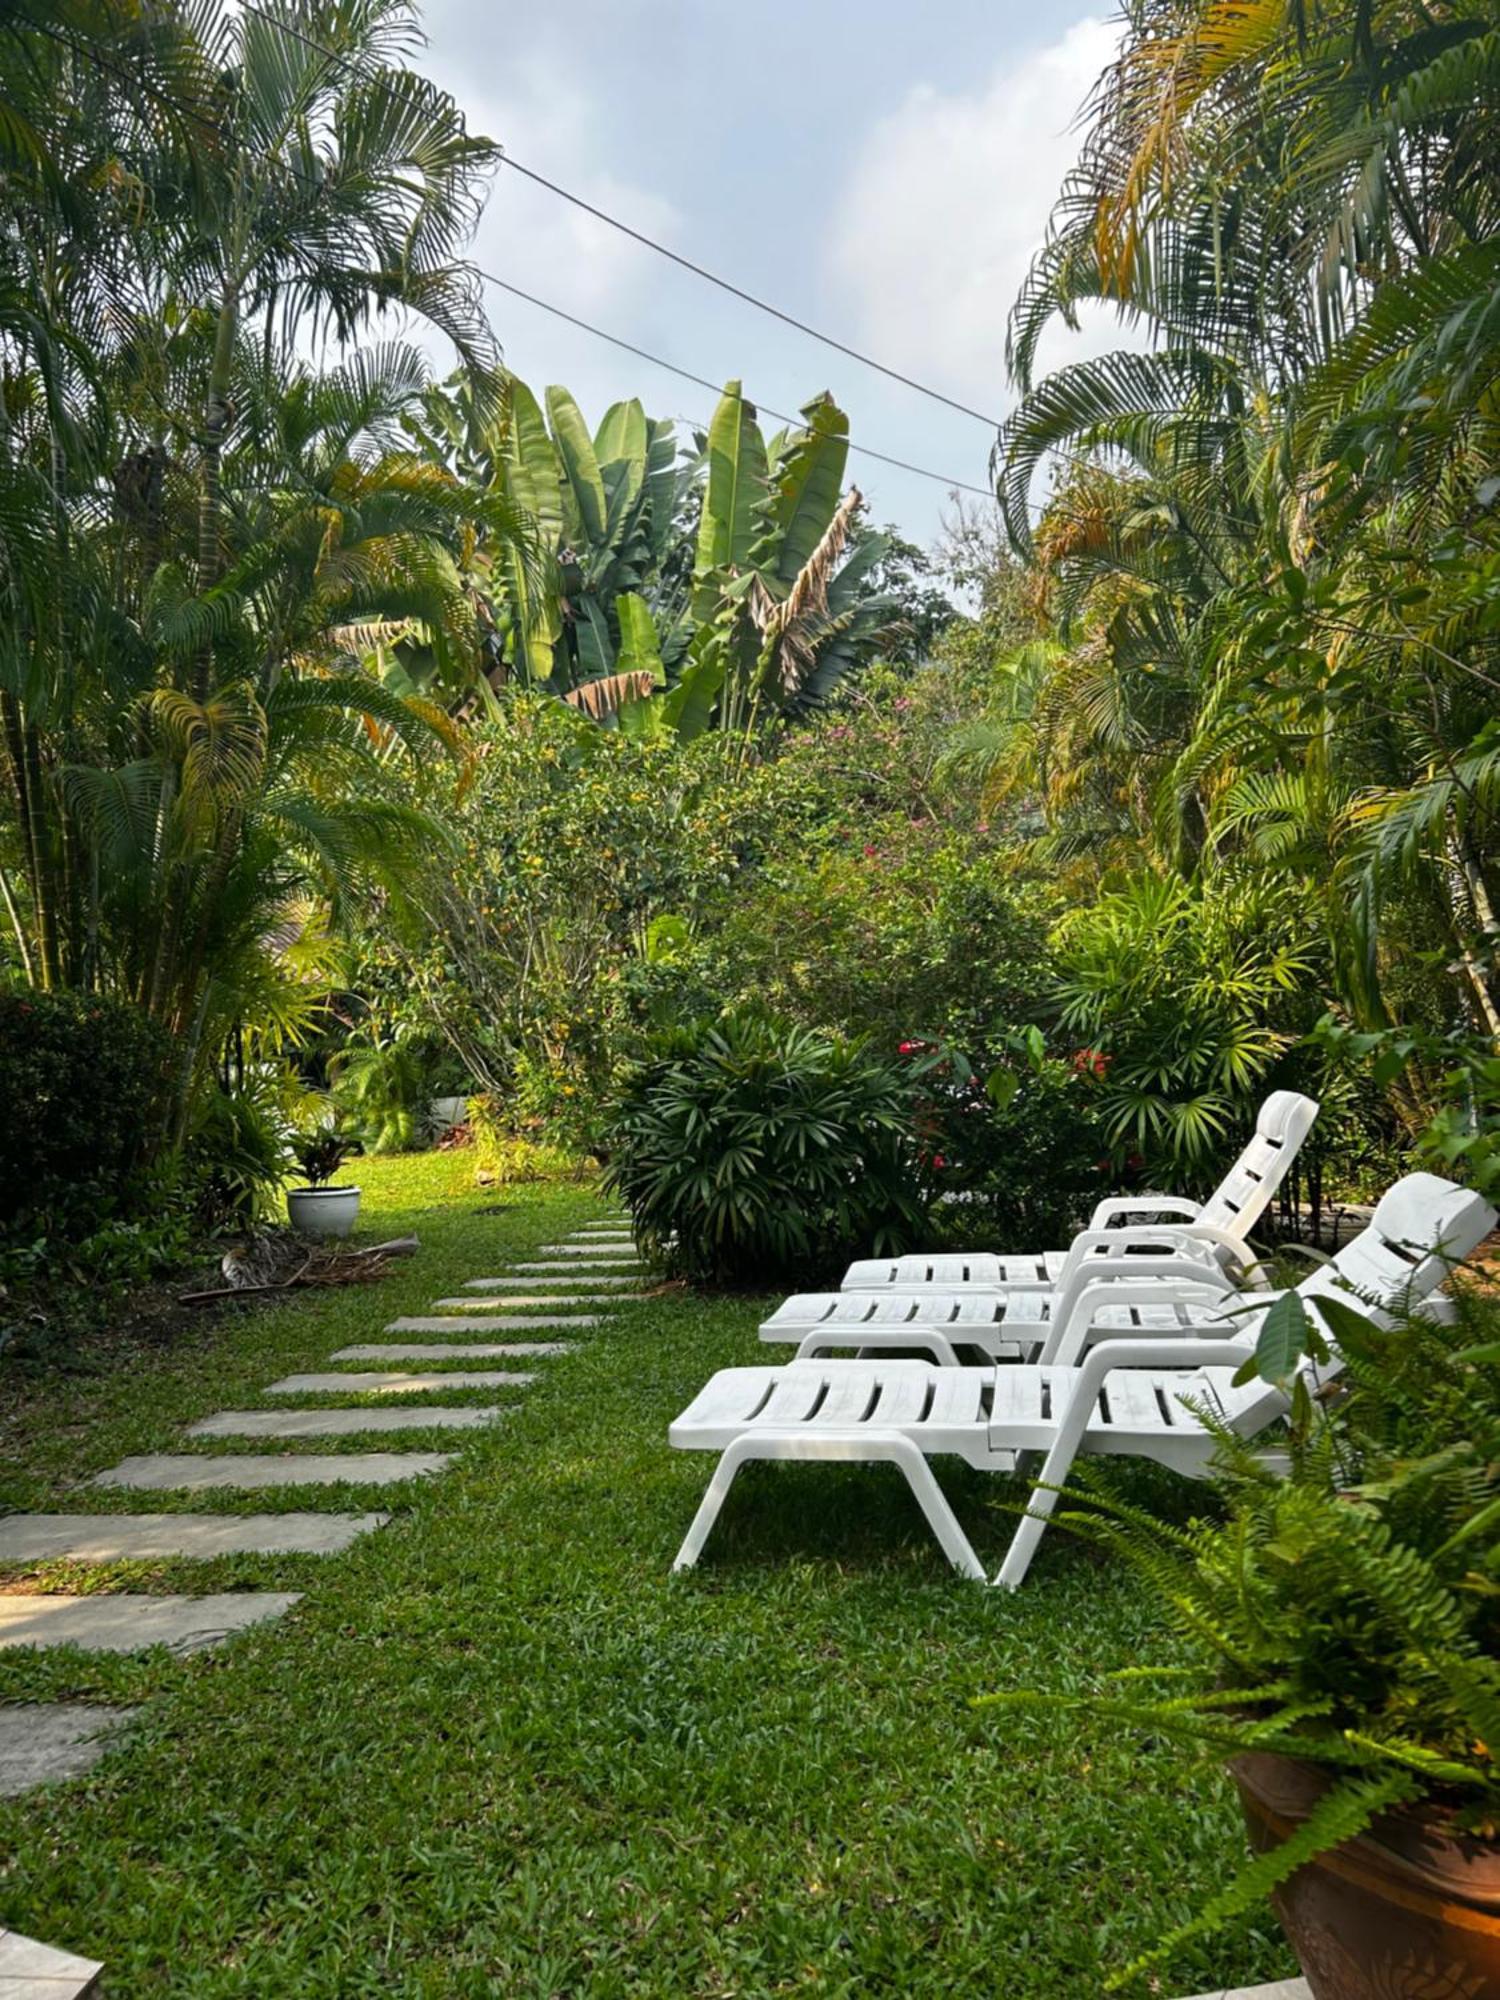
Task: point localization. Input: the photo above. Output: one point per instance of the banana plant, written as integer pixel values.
(780, 585)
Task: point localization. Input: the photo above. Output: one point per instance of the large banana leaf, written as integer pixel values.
(809, 478)
(732, 506)
(535, 476)
(640, 649)
(584, 486)
(620, 448)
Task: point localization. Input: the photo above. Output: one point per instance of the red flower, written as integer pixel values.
(938, 1163)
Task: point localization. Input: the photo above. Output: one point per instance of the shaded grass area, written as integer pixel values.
(499, 1749)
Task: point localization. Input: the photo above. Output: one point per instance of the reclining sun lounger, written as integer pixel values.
(1223, 1222)
(1136, 1396)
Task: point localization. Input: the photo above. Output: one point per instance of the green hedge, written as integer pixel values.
(82, 1081)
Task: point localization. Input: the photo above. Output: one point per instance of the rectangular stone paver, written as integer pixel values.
(609, 1253)
(502, 1304)
(603, 1230)
(1279, 1989)
(451, 1323)
(571, 1273)
(454, 1350)
(336, 1423)
(32, 1971)
(164, 1471)
(102, 1538)
(531, 1284)
(400, 1383)
(125, 1623)
(45, 1742)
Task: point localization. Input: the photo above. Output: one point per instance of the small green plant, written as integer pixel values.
(321, 1152)
(381, 1085)
(752, 1151)
(1344, 1615)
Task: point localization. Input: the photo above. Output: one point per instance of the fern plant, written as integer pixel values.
(1346, 1614)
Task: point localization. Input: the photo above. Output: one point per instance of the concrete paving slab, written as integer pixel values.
(127, 1623)
(100, 1538)
(451, 1323)
(571, 1272)
(501, 1302)
(164, 1471)
(454, 1350)
(604, 1253)
(600, 1230)
(337, 1423)
(400, 1383)
(32, 1971)
(532, 1284)
(46, 1742)
(1279, 1989)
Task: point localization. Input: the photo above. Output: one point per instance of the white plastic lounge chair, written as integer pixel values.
(1133, 1396)
(1224, 1221)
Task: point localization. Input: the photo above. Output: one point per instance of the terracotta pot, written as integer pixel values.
(1408, 1911)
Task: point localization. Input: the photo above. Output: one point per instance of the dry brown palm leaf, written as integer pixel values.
(784, 625)
(603, 698)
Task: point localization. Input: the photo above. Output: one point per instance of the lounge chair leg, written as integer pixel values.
(888, 1447)
(708, 1508)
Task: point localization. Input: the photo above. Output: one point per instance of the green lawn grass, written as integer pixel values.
(500, 1750)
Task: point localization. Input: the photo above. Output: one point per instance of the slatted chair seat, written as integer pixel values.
(1002, 1326)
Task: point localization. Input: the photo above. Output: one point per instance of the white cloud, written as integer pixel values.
(545, 245)
(946, 204)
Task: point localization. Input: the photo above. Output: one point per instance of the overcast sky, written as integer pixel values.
(880, 170)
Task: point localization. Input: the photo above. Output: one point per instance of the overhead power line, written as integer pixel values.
(716, 388)
(342, 62)
(750, 298)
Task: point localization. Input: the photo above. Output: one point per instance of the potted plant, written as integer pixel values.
(320, 1209)
(1341, 1617)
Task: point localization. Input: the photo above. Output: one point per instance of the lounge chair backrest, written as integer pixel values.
(1244, 1194)
(1421, 1228)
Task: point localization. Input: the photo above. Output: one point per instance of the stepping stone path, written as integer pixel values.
(167, 1472)
(362, 1384)
(102, 1538)
(337, 1423)
(455, 1350)
(452, 1324)
(43, 1742)
(32, 1971)
(121, 1622)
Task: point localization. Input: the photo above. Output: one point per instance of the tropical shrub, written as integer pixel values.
(1186, 998)
(84, 1081)
(1344, 1614)
(382, 1085)
(1016, 1147)
(506, 1157)
(753, 1151)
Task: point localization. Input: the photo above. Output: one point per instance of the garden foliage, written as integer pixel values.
(752, 1151)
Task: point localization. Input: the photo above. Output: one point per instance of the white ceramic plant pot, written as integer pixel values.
(447, 1112)
(322, 1211)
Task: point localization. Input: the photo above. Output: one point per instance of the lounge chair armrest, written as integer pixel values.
(1067, 1339)
(1107, 1356)
(1090, 1243)
(879, 1339)
(1189, 1269)
(1143, 1204)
